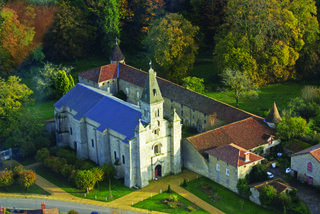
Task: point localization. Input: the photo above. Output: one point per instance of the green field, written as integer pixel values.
(101, 191)
(42, 111)
(228, 202)
(155, 204)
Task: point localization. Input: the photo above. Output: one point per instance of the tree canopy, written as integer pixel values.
(172, 46)
(266, 38)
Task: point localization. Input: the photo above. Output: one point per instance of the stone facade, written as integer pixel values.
(306, 168)
(152, 152)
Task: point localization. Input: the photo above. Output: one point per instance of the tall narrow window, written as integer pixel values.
(123, 161)
(227, 172)
(154, 92)
(309, 166)
(218, 167)
(115, 155)
(70, 130)
(92, 142)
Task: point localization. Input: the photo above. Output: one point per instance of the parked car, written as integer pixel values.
(270, 175)
(288, 170)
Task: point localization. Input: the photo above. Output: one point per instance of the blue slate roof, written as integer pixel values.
(109, 112)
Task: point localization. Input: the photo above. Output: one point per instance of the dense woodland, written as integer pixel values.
(252, 44)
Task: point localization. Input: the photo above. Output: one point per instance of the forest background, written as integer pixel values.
(45, 43)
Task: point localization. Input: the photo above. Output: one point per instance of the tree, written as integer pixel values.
(243, 188)
(62, 84)
(42, 154)
(46, 77)
(6, 178)
(172, 46)
(13, 96)
(239, 82)
(194, 84)
(15, 37)
(66, 170)
(98, 173)
(17, 171)
(267, 194)
(109, 172)
(258, 173)
(27, 178)
(70, 36)
(107, 17)
(292, 127)
(85, 179)
(265, 38)
(284, 200)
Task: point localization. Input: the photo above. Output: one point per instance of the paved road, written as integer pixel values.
(32, 203)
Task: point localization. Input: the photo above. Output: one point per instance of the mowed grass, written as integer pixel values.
(16, 188)
(279, 93)
(155, 204)
(230, 203)
(101, 191)
(43, 110)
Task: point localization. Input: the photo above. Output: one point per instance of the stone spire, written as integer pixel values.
(151, 92)
(274, 116)
(117, 55)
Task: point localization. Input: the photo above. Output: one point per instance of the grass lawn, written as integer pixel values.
(230, 202)
(42, 111)
(280, 93)
(16, 188)
(155, 204)
(101, 190)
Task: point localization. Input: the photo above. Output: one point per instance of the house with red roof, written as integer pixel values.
(305, 165)
(228, 163)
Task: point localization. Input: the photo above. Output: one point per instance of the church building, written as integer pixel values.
(136, 138)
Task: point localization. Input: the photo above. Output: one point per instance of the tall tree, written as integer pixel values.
(70, 35)
(265, 38)
(15, 39)
(239, 82)
(106, 13)
(172, 46)
(62, 83)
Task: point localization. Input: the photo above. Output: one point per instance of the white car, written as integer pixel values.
(288, 170)
(270, 175)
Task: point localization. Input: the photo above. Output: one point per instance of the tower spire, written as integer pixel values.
(116, 55)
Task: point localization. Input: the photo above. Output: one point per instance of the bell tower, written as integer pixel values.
(151, 99)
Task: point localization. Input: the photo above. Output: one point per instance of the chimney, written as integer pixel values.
(43, 205)
(246, 156)
(2, 210)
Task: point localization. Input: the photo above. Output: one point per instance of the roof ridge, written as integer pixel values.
(216, 129)
(165, 80)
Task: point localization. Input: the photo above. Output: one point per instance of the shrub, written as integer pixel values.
(191, 208)
(169, 189)
(17, 171)
(41, 142)
(27, 178)
(66, 170)
(243, 188)
(267, 194)
(6, 178)
(42, 154)
(258, 173)
(73, 212)
(173, 198)
(48, 162)
(58, 164)
(184, 184)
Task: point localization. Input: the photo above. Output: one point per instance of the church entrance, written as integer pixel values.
(158, 171)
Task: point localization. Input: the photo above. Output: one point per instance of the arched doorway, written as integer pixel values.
(157, 171)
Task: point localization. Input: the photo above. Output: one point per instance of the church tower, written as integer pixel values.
(151, 100)
(116, 55)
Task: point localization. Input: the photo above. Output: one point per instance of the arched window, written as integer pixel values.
(154, 92)
(309, 166)
(157, 149)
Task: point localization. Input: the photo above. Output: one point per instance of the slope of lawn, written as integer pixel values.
(226, 200)
(43, 110)
(155, 204)
(16, 188)
(101, 191)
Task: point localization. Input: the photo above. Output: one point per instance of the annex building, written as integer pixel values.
(142, 135)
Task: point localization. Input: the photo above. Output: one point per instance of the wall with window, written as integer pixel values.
(88, 82)
(223, 173)
(109, 86)
(307, 167)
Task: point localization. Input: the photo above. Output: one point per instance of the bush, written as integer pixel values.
(258, 173)
(267, 194)
(169, 189)
(6, 178)
(184, 184)
(243, 188)
(173, 198)
(73, 212)
(27, 178)
(17, 171)
(42, 154)
(41, 142)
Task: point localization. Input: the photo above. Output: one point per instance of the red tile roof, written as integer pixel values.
(276, 184)
(233, 155)
(248, 134)
(102, 73)
(313, 150)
